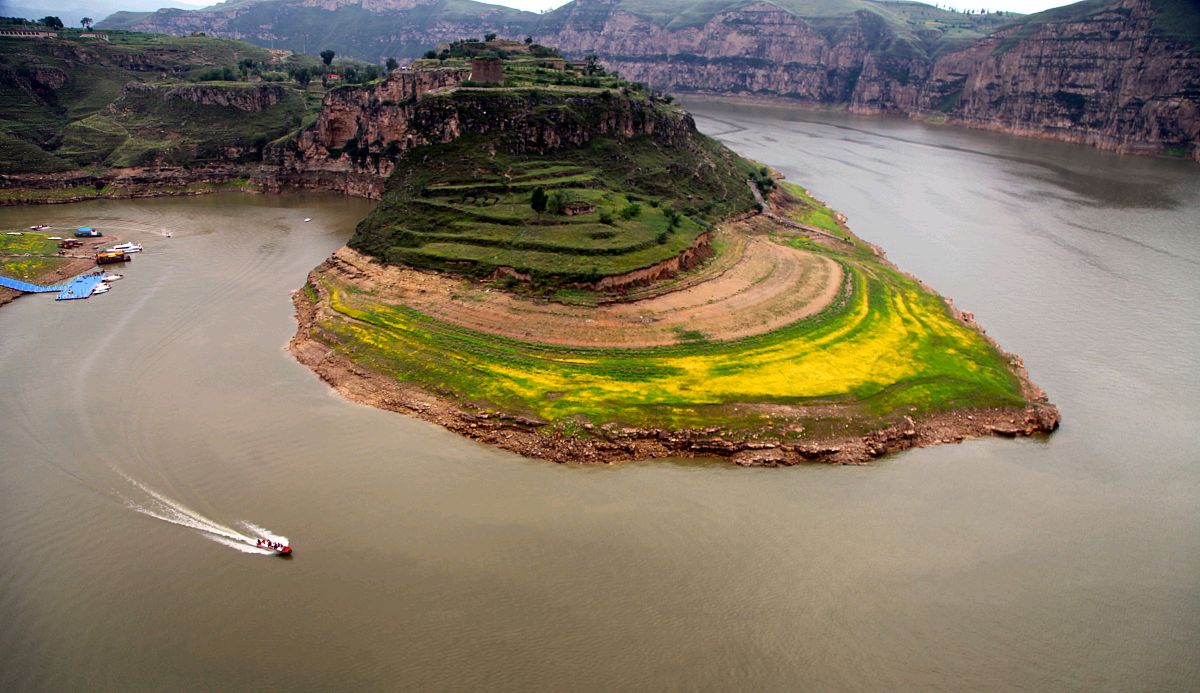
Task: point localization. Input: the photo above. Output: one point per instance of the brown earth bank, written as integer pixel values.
(612, 444)
(759, 287)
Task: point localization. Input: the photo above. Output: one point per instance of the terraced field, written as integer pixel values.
(612, 208)
(868, 346)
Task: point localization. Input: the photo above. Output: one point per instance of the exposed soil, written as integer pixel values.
(764, 288)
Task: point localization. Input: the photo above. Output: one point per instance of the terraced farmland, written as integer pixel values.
(611, 209)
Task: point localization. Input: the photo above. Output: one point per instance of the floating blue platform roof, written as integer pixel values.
(27, 287)
(80, 287)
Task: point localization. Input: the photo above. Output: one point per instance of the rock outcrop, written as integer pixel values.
(250, 98)
(360, 130)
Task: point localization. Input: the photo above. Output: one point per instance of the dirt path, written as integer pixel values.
(767, 287)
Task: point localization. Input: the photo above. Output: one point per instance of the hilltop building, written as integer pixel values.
(487, 71)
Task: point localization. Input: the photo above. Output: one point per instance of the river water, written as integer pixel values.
(132, 421)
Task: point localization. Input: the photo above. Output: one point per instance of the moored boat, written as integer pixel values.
(125, 247)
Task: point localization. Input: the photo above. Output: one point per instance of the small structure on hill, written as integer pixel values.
(99, 35)
(576, 207)
(487, 71)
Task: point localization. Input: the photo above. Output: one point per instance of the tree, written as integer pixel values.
(489, 37)
(431, 55)
(538, 200)
(528, 40)
(86, 22)
(327, 56)
(52, 22)
(392, 64)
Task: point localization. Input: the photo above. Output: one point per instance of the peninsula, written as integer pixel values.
(562, 266)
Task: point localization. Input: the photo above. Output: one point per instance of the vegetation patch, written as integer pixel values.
(28, 256)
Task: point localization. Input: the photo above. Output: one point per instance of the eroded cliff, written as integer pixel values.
(361, 130)
(1120, 74)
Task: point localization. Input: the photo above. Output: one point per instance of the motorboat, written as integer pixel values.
(14, 233)
(37, 227)
(112, 277)
(125, 247)
(307, 219)
(54, 238)
(101, 288)
(87, 232)
(279, 548)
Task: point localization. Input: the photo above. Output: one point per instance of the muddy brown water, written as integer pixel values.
(424, 560)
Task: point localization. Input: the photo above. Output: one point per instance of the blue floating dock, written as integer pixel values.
(27, 287)
(80, 287)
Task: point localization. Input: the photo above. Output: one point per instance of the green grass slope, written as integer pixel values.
(465, 207)
(63, 103)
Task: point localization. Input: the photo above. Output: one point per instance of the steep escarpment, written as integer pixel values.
(1107, 77)
(361, 130)
(1120, 74)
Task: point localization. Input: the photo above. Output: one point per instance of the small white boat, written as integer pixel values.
(14, 233)
(308, 220)
(101, 288)
(125, 248)
(37, 227)
(112, 277)
(54, 238)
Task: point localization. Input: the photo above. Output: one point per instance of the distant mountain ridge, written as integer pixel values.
(1118, 74)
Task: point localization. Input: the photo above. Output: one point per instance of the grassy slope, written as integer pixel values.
(46, 129)
(889, 348)
(455, 203)
(42, 251)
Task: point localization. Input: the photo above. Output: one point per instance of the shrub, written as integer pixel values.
(606, 218)
(537, 200)
(631, 211)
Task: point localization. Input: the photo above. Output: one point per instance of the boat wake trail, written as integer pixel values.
(162, 508)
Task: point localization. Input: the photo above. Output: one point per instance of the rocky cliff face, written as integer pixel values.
(1106, 80)
(757, 49)
(251, 99)
(361, 130)
(1105, 74)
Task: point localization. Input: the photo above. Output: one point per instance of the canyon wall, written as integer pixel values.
(1123, 75)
